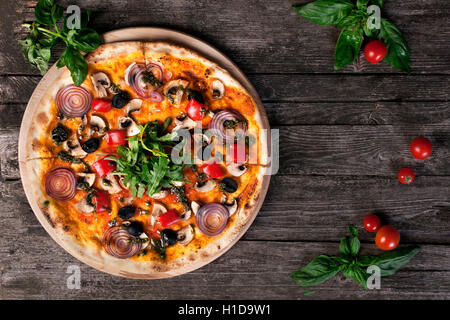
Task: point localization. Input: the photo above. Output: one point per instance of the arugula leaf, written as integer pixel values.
(317, 271)
(325, 12)
(347, 46)
(398, 54)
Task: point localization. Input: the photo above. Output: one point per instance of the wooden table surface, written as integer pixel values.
(343, 137)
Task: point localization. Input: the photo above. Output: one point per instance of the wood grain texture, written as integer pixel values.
(343, 137)
(266, 36)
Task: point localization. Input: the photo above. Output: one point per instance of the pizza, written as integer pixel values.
(153, 166)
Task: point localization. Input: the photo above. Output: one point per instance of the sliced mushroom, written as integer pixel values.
(195, 206)
(133, 106)
(218, 89)
(98, 125)
(186, 215)
(185, 235)
(128, 124)
(158, 209)
(84, 207)
(101, 83)
(236, 169)
(160, 195)
(232, 207)
(73, 146)
(205, 186)
(178, 183)
(184, 123)
(174, 90)
(110, 184)
(89, 178)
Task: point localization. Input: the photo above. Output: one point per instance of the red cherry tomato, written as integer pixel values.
(116, 137)
(101, 105)
(238, 153)
(375, 51)
(421, 148)
(213, 170)
(406, 176)
(102, 167)
(168, 218)
(101, 201)
(387, 238)
(195, 110)
(371, 223)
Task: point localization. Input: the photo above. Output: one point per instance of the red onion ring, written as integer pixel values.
(61, 184)
(135, 79)
(73, 101)
(212, 218)
(118, 243)
(216, 124)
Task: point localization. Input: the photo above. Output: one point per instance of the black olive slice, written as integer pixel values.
(127, 212)
(169, 237)
(135, 228)
(59, 134)
(91, 145)
(120, 100)
(228, 185)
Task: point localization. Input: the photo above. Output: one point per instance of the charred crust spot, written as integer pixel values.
(66, 228)
(35, 144)
(207, 73)
(218, 247)
(42, 118)
(49, 219)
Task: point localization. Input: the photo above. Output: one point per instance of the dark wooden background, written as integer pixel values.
(344, 135)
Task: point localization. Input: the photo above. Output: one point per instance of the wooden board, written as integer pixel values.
(142, 34)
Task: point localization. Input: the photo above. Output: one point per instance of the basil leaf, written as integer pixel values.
(379, 3)
(77, 65)
(362, 4)
(357, 274)
(349, 246)
(317, 271)
(350, 20)
(398, 54)
(43, 12)
(347, 46)
(390, 261)
(86, 40)
(325, 12)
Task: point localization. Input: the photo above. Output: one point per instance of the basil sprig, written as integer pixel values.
(352, 16)
(353, 266)
(41, 40)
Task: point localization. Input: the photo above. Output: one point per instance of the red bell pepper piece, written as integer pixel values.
(212, 170)
(101, 105)
(101, 201)
(116, 137)
(195, 110)
(102, 167)
(168, 218)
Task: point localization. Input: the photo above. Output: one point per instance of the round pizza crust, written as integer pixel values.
(35, 119)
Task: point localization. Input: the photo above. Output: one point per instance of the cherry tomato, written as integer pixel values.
(406, 176)
(238, 153)
(387, 238)
(168, 218)
(421, 148)
(101, 105)
(102, 167)
(195, 110)
(371, 223)
(101, 201)
(213, 170)
(375, 51)
(116, 137)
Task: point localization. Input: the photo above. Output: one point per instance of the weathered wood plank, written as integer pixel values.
(302, 88)
(269, 37)
(307, 208)
(342, 150)
(36, 268)
(318, 113)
